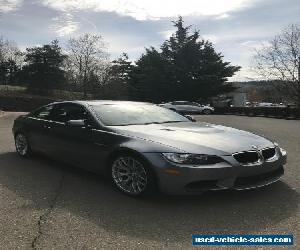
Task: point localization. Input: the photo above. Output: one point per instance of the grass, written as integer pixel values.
(19, 91)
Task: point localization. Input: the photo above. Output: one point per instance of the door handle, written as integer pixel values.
(47, 126)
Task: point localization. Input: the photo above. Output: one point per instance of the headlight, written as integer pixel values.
(192, 159)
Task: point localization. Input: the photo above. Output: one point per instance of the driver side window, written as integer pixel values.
(67, 112)
(42, 113)
(178, 103)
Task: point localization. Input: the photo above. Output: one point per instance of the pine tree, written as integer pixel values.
(186, 68)
(43, 70)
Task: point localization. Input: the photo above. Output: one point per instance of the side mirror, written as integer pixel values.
(192, 119)
(76, 123)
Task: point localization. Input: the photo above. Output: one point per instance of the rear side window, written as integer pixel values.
(43, 113)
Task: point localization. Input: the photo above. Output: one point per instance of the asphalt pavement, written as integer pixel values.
(45, 204)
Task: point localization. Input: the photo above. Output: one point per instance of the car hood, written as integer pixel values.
(196, 137)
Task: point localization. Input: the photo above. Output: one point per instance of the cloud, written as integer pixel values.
(153, 9)
(9, 5)
(223, 16)
(64, 25)
(211, 37)
(166, 33)
(235, 27)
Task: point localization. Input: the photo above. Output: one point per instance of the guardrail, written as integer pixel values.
(276, 112)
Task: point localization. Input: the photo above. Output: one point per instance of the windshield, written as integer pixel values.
(120, 114)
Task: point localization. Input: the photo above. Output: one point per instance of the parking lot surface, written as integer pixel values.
(49, 205)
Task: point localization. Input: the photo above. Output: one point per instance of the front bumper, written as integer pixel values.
(176, 179)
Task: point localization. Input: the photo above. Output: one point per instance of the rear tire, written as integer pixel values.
(131, 175)
(22, 145)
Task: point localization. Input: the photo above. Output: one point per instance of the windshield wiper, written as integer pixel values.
(129, 124)
(171, 122)
(145, 123)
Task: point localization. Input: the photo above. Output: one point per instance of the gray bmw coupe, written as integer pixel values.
(142, 147)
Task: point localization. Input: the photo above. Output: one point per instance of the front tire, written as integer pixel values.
(207, 111)
(22, 145)
(131, 175)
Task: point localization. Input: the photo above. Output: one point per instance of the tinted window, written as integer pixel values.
(43, 113)
(66, 112)
(135, 113)
(185, 103)
(178, 103)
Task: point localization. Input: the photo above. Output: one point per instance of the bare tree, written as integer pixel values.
(10, 51)
(87, 58)
(11, 60)
(280, 60)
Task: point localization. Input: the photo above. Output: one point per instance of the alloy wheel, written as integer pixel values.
(207, 112)
(21, 144)
(129, 175)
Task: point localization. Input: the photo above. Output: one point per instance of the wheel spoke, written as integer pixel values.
(141, 179)
(133, 187)
(123, 163)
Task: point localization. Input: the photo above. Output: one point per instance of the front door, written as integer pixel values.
(40, 124)
(81, 146)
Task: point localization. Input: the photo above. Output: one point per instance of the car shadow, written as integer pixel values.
(160, 217)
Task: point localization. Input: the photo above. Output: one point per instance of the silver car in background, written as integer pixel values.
(186, 107)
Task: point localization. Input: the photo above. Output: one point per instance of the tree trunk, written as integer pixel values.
(298, 104)
(84, 86)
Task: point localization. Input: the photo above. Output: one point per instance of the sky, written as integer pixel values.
(235, 27)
